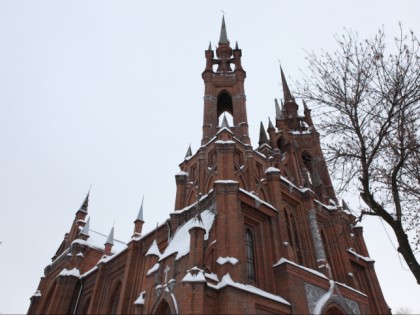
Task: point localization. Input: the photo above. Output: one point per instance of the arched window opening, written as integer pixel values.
(229, 118)
(281, 143)
(307, 161)
(115, 298)
(224, 103)
(250, 255)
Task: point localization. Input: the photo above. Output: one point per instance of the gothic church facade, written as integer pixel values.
(254, 231)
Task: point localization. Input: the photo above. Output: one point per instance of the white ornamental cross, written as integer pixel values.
(166, 273)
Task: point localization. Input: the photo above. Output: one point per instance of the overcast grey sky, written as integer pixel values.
(110, 94)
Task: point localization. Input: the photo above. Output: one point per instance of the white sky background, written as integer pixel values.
(110, 94)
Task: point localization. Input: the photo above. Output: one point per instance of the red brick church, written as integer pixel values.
(254, 231)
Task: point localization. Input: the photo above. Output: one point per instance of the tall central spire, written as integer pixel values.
(223, 34)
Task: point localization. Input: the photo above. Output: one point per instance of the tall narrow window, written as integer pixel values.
(250, 256)
(298, 250)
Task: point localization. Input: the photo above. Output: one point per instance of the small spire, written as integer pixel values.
(223, 34)
(263, 136)
(225, 123)
(85, 230)
(270, 124)
(187, 155)
(85, 204)
(278, 110)
(140, 215)
(209, 45)
(286, 92)
(110, 239)
(236, 46)
(282, 106)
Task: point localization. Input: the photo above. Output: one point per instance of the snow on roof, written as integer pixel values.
(226, 181)
(227, 281)
(89, 272)
(258, 199)
(284, 261)
(368, 259)
(194, 204)
(350, 288)
(140, 299)
(182, 173)
(37, 293)
(212, 276)
(224, 260)
(153, 249)
(326, 206)
(72, 272)
(225, 141)
(153, 269)
(195, 274)
(261, 154)
(97, 240)
(180, 243)
(272, 169)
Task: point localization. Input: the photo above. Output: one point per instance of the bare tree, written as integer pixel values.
(403, 310)
(371, 118)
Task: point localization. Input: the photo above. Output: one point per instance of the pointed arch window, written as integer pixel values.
(250, 255)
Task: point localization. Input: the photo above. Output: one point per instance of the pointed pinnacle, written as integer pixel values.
(286, 92)
(278, 110)
(225, 123)
(263, 136)
(236, 46)
(209, 46)
(270, 124)
(85, 204)
(223, 34)
(85, 229)
(110, 239)
(188, 154)
(140, 215)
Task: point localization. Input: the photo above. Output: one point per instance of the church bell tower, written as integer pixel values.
(224, 89)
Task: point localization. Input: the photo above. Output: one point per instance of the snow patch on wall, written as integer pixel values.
(140, 299)
(224, 260)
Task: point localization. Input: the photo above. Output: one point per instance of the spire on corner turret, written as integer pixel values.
(110, 239)
(263, 136)
(109, 242)
(286, 91)
(139, 221)
(270, 124)
(279, 114)
(187, 155)
(85, 204)
(223, 34)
